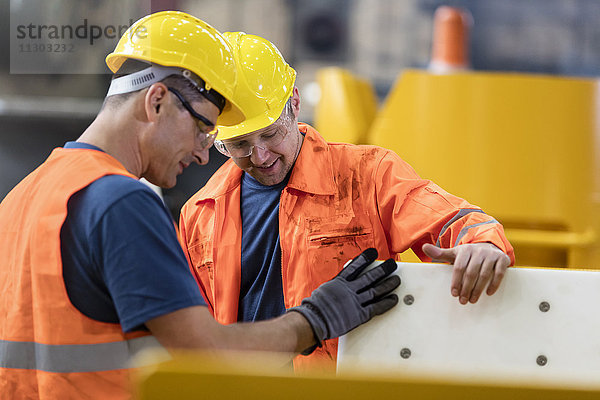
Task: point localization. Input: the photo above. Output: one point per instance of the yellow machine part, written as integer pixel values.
(523, 147)
(257, 376)
(346, 108)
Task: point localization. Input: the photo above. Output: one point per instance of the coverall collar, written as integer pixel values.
(312, 172)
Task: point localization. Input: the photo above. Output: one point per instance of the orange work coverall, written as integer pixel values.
(340, 200)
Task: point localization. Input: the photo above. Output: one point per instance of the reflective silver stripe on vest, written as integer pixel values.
(464, 230)
(72, 358)
(461, 213)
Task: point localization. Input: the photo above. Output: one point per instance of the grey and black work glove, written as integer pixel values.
(349, 300)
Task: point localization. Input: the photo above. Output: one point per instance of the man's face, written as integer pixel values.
(274, 151)
(177, 142)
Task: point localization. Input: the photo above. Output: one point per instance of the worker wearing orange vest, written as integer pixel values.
(282, 215)
(92, 270)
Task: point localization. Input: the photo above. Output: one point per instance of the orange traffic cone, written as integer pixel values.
(450, 40)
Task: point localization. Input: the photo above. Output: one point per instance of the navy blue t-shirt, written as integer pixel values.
(122, 262)
(261, 291)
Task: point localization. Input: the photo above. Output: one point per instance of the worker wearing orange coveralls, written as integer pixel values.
(282, 215)
(91, 270)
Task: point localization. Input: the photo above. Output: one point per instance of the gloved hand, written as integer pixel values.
(347, 301)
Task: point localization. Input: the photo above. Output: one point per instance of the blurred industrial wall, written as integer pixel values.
(373, 38)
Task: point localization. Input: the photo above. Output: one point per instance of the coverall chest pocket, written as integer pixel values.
(332, 241)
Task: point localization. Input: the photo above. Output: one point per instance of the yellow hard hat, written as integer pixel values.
(177, 39)
(265, 83)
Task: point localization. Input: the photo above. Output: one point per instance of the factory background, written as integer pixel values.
(52, 100)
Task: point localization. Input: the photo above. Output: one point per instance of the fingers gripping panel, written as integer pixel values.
(539, 319)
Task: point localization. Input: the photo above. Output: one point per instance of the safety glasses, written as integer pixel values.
(244, 147)
(206, 127)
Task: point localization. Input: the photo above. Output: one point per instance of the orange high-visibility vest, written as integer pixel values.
(48, 348)
(340, 200)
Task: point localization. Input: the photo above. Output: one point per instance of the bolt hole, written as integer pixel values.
(544, 306)
(541, 361)
(405, 353)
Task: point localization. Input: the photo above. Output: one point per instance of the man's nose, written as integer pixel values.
(201, 156)
(259, 154)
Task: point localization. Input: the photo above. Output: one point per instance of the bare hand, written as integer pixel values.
(474, 266)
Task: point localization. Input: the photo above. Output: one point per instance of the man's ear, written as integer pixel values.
(296, 102)
(154, 100)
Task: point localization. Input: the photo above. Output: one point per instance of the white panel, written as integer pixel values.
(506, 330)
